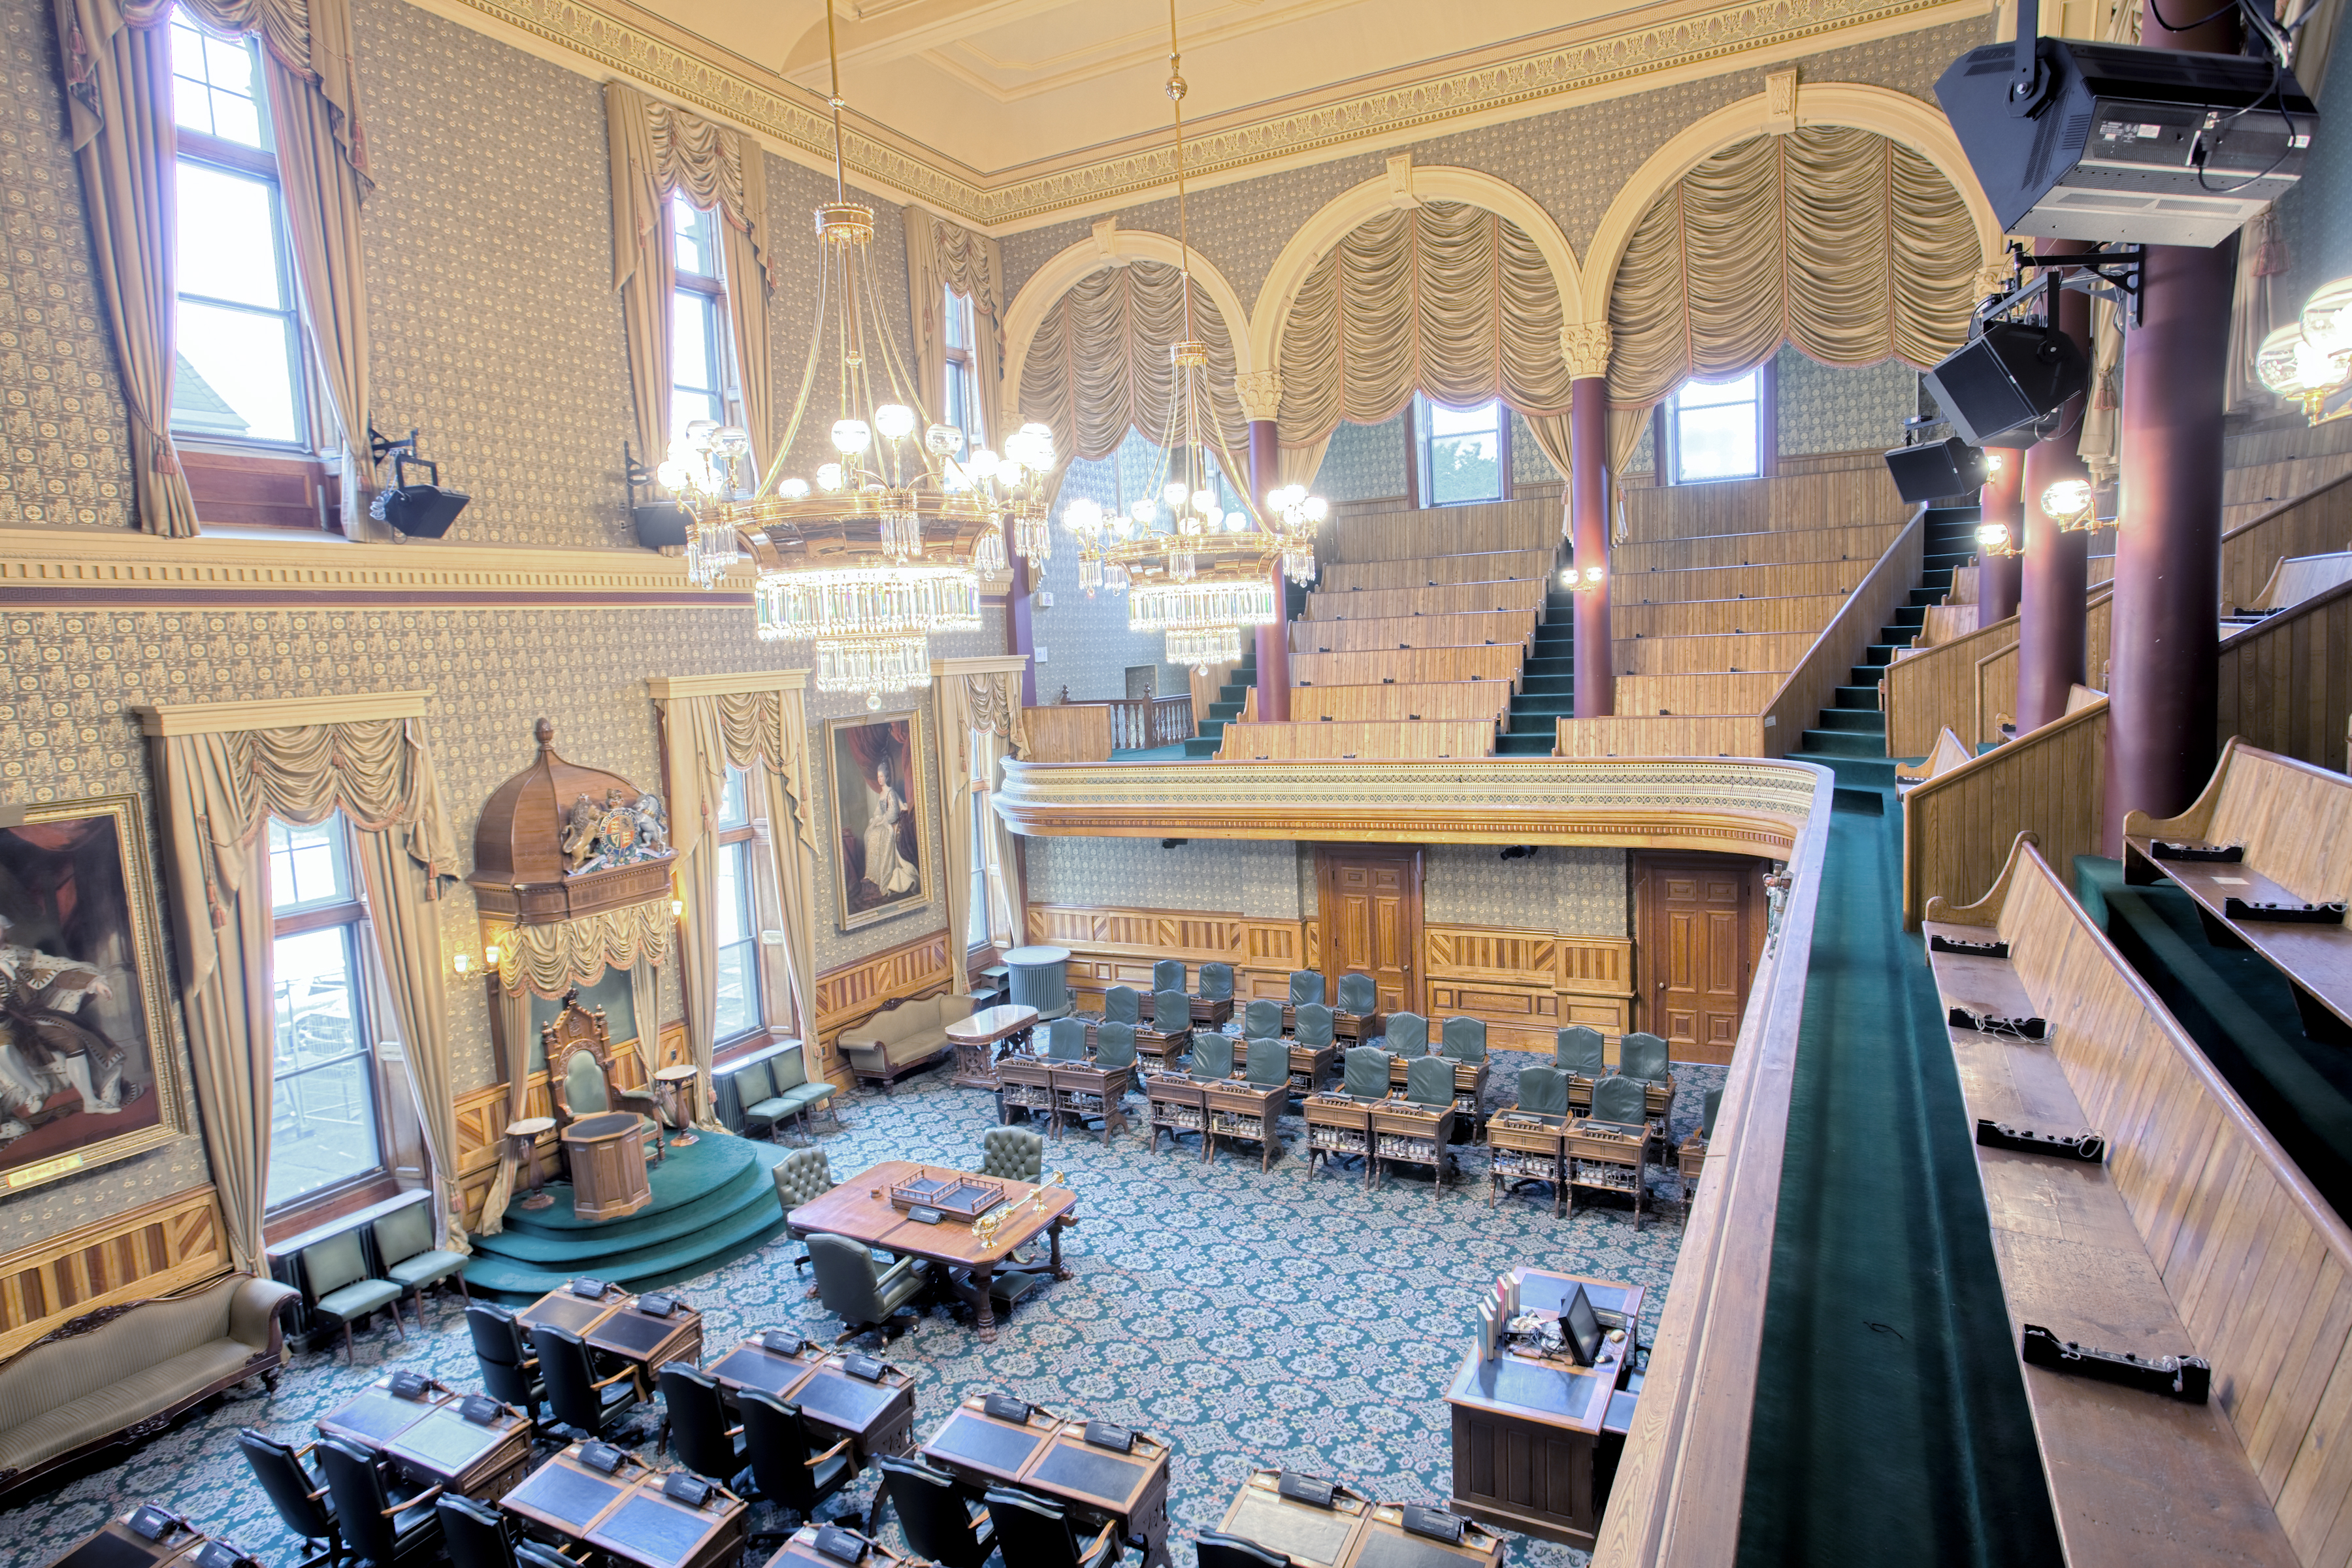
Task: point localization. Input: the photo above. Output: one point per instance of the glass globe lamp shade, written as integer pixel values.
(895, 421)
(851, 435)
(828, 477)
(1993, 538)
(982, 464)
(944, 440)
(2327, 319)
(793, 489)
(2067, 502)
(2289, 364)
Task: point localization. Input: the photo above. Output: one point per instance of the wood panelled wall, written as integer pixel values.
(1957, 827)
(1524, 984)
(1828, 664)
(1069, 733)
(1935, 689)
(1996, 671)
(1860, 542)
(150, 1251)
(1356, 738)
(1661, 735)
(2314, 524)
(2286, 682)
(1758, 506)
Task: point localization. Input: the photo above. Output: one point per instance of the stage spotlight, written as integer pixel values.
(1947, 467)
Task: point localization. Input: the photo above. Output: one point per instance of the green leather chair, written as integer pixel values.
(1407, 1034)
(860, 1292)
(1213, 1055)
(1579, 1052)
(335, 1274)
(755, 1091)
(403, 1243)
(1217, 982)
(584, 1087)
(1122, 1005)
(805, 1177)
(1643, 1057)
(1066, 1041)
(1429, 1081)
(1306, 986)
(1114, 1046)
(1168, 975)
(1619, 1101)
(1262, 1020)
(1465, 1039)
(1171, 1011)
(1707, 1110)
(1269, 1064)
(1358, 994)
(1013, 1153)
(1311, 1026)
(1543, 1091)
(1365, 1075)
(794, 1095)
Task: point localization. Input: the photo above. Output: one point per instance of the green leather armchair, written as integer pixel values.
(858, 1291)
(1013, 1153)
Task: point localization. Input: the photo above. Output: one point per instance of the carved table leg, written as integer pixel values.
(1054, 1262)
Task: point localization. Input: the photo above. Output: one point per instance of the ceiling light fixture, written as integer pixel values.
(2309, 360)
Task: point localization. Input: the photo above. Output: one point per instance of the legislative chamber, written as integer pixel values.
(1039, 785)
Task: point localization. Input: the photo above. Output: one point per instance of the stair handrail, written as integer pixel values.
(1809, 687)
(1935, 689)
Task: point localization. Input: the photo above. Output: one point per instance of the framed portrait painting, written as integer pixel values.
(84, 1046)
(882, 854)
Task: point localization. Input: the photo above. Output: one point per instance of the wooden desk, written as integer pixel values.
(1311, 1537)
(1050, 1455)
(1175, 1102)
(1338, 1126)
(1596, 1152)
(645, 1342)
(2316, 960)
(1025, 1082)
(1526, 1147)
(850, 1210)
(1469, 1081)
(1082, 1089)
(625, 1516)
(799, 1551)
(1385, 1542)
(1527, 1433)
(1245, 1111)
(115, 1544)
(607, 1156)
(433, 1442)
(878, 1417)
(559, 1309)
(975, 1040)
(1413, 1134)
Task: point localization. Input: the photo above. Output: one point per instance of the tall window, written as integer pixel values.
(963, 372)
(324, 1120)
(734, 924)
(1716, 430)
(698, 339)
(1462, 453)
(976, 925)
(240, 374)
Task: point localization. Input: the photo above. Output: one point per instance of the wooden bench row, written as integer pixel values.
(1457, 700)
(1410, 667)
(1346, 739)
(1508, 628)
(1442, 599)
(1479, 566)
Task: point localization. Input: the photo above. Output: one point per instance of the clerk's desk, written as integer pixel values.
(1535, 1442)
(1353, 1533)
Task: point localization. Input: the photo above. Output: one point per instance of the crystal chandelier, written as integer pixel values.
(894, 540)
(1191, 567)
(2309, 360)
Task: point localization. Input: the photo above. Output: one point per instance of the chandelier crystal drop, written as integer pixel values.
(1200, 650)
(875, 666)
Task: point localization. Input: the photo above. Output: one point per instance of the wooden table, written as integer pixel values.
(1528, 1434)
(625, 1515)
(614, 1325)
(1524, 1146)
(1310, 1536)
(607, 1153)
(431, 1441)
(2315, 959)
(878, 1417)
(1387, 1543)
(800, 1549)
(115, 1544)
(975, 1040)
(1049, 1455)
(853, 1210)
(677, 1086)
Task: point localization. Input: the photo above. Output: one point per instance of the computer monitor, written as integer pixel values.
(1579, 1328)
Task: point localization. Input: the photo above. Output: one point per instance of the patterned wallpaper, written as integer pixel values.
(2315, 217)
(1088, 645)
(1364, 462)
(1250, 876)
(1840, 409)
(62, 453)
(1529, 466)
(1575, 892)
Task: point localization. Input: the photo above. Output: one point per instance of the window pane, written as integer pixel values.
(307, 866)
(1716, 443)
(976, 928)
(733, 915)
(312, 973)
(732, 811)
(739, 992)
(1445, 421)
(234, 374)
(1464, 468)
(959, 320)
(214, 90)
(698, 239)
(323, 1104)
(1709, 394)
(229, 237)
(689, 341)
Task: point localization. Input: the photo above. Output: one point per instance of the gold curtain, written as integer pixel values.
(658, 150)
(219, 787)
(545, 960)
(1837, 239)
(406, 915)
(1098, 366)
(940, 256)
(981, 726)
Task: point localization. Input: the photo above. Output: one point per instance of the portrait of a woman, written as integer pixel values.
(877, 803)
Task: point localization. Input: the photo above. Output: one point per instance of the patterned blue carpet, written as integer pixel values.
(1251, 1318)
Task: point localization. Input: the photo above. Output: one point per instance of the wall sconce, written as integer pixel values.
(677, 909)
(1588, 581)
(1993, 465)
(461, 964)
(2310, 360)
(2067, 503)
(1993, 541)
(490, 955)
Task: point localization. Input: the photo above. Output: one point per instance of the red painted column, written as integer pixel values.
(2163, 695)
(1274, 641)
(2057, 572)
(1997, 501)
(1588, 528)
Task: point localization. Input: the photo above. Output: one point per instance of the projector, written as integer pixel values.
(2126, 143)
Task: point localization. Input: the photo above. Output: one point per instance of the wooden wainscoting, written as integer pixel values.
(2286, 682)
(1957, 827)
(1526, 985)
(1934, 690)
(2314, 522)
(151, 1250)
(1113, 946)
(856, 992)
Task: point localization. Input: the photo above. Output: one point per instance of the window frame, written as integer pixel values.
(1665, 434)
(1419, 431)
(708, 290)
(743, 840)
(349, 914)
(962, 371)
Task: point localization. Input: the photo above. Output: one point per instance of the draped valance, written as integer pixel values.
(546, 959)
(944, 257)
(1443, 298)
(1839, 240)
(1098, 366)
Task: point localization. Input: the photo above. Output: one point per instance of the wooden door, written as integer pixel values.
(1700, 929)
(1370, 899)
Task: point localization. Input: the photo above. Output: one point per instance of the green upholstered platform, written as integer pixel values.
(714, 1201)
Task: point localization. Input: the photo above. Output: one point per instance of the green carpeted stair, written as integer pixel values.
(714, 1201)
(1210, 730)
(1547, 692)
(1890, 1424)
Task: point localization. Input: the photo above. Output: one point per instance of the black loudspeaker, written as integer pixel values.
(1947, 467)
(2007, 379)
(660, 524)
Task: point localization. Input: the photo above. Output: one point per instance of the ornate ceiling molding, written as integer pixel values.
(1681, 37)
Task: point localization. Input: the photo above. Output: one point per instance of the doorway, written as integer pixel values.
(1369, 899)
(1140, 680)
(1699, 922)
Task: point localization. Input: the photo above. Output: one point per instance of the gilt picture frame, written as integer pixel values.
(881, 821)
(87, 1059)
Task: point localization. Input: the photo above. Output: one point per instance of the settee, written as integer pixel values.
(119, 1374)
(901, 1039)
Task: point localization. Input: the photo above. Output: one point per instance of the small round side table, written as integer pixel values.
(523, 1140)
(676, 1086)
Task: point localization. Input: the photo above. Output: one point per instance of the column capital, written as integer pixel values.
(1585, 346)
(1260, 391)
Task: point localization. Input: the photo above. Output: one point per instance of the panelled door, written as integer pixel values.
(1371, 902)
(1699, 933)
